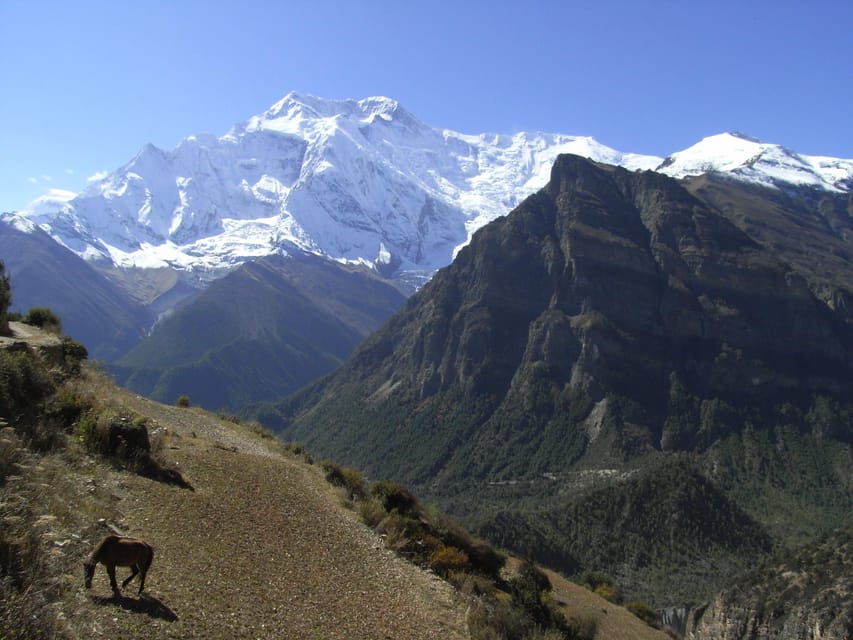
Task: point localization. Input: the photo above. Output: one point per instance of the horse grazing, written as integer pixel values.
(116, 551)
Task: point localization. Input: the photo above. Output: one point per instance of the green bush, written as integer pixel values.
(396, 498)
(644, 612)
(602, 585)
(44, 318)
(25, 384)
(74, 353)
(446, 560)
(350, 479)
(183, 401)
(531, 593)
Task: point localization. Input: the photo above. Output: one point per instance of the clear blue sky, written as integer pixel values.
(85, 83)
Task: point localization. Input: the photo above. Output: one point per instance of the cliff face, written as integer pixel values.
(623, 282)
(810, 228)
(806, 597)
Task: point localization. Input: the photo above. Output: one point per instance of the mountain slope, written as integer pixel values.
(94, 310)
(260, 332)
(609, 317)
(810, 229)
(261, 546)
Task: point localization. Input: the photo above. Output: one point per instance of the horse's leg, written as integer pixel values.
(111, 571)
(134, 570)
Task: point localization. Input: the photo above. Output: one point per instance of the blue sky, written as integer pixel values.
(85, 84)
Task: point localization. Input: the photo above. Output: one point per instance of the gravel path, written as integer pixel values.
(261, 549)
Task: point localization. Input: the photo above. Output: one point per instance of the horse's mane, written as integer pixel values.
(97, 551)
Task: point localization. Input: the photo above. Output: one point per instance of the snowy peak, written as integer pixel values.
(311, 107)
(297, 113)
(751, 160)
(354, 180)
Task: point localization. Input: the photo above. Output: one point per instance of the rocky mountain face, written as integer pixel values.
(809, 229)
(604, 283)
(356, 181)
(612, 321)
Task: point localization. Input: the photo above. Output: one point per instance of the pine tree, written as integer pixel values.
(5, 300)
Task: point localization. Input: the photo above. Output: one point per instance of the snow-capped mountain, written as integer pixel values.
(362, 181)
(751, 160)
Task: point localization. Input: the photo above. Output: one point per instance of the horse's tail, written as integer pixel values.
(149, 556)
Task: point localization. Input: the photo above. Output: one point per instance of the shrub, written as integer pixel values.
(74, 353)
(371, 512)
(10, 454)
(44, 318)
(25, 384)
(584, 627)
(609, 593)
(482, 556)
(445, 560)
(644, 612)
(602, 585)
(593, 579)
(497, 620)
(183, 401)
(395, 497)
(350, 479)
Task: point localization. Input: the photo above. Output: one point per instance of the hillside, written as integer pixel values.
(94, 310)
(260, 332)
(261, 546)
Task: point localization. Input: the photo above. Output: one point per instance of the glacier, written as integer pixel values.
(361, 181)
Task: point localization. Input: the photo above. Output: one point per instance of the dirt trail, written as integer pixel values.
(261, 549)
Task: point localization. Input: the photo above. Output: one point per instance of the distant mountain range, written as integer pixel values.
(360, 181)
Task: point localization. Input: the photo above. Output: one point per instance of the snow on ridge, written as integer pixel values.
(749, 159)
(18, 222)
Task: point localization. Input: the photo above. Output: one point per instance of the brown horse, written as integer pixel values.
(115, 551)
